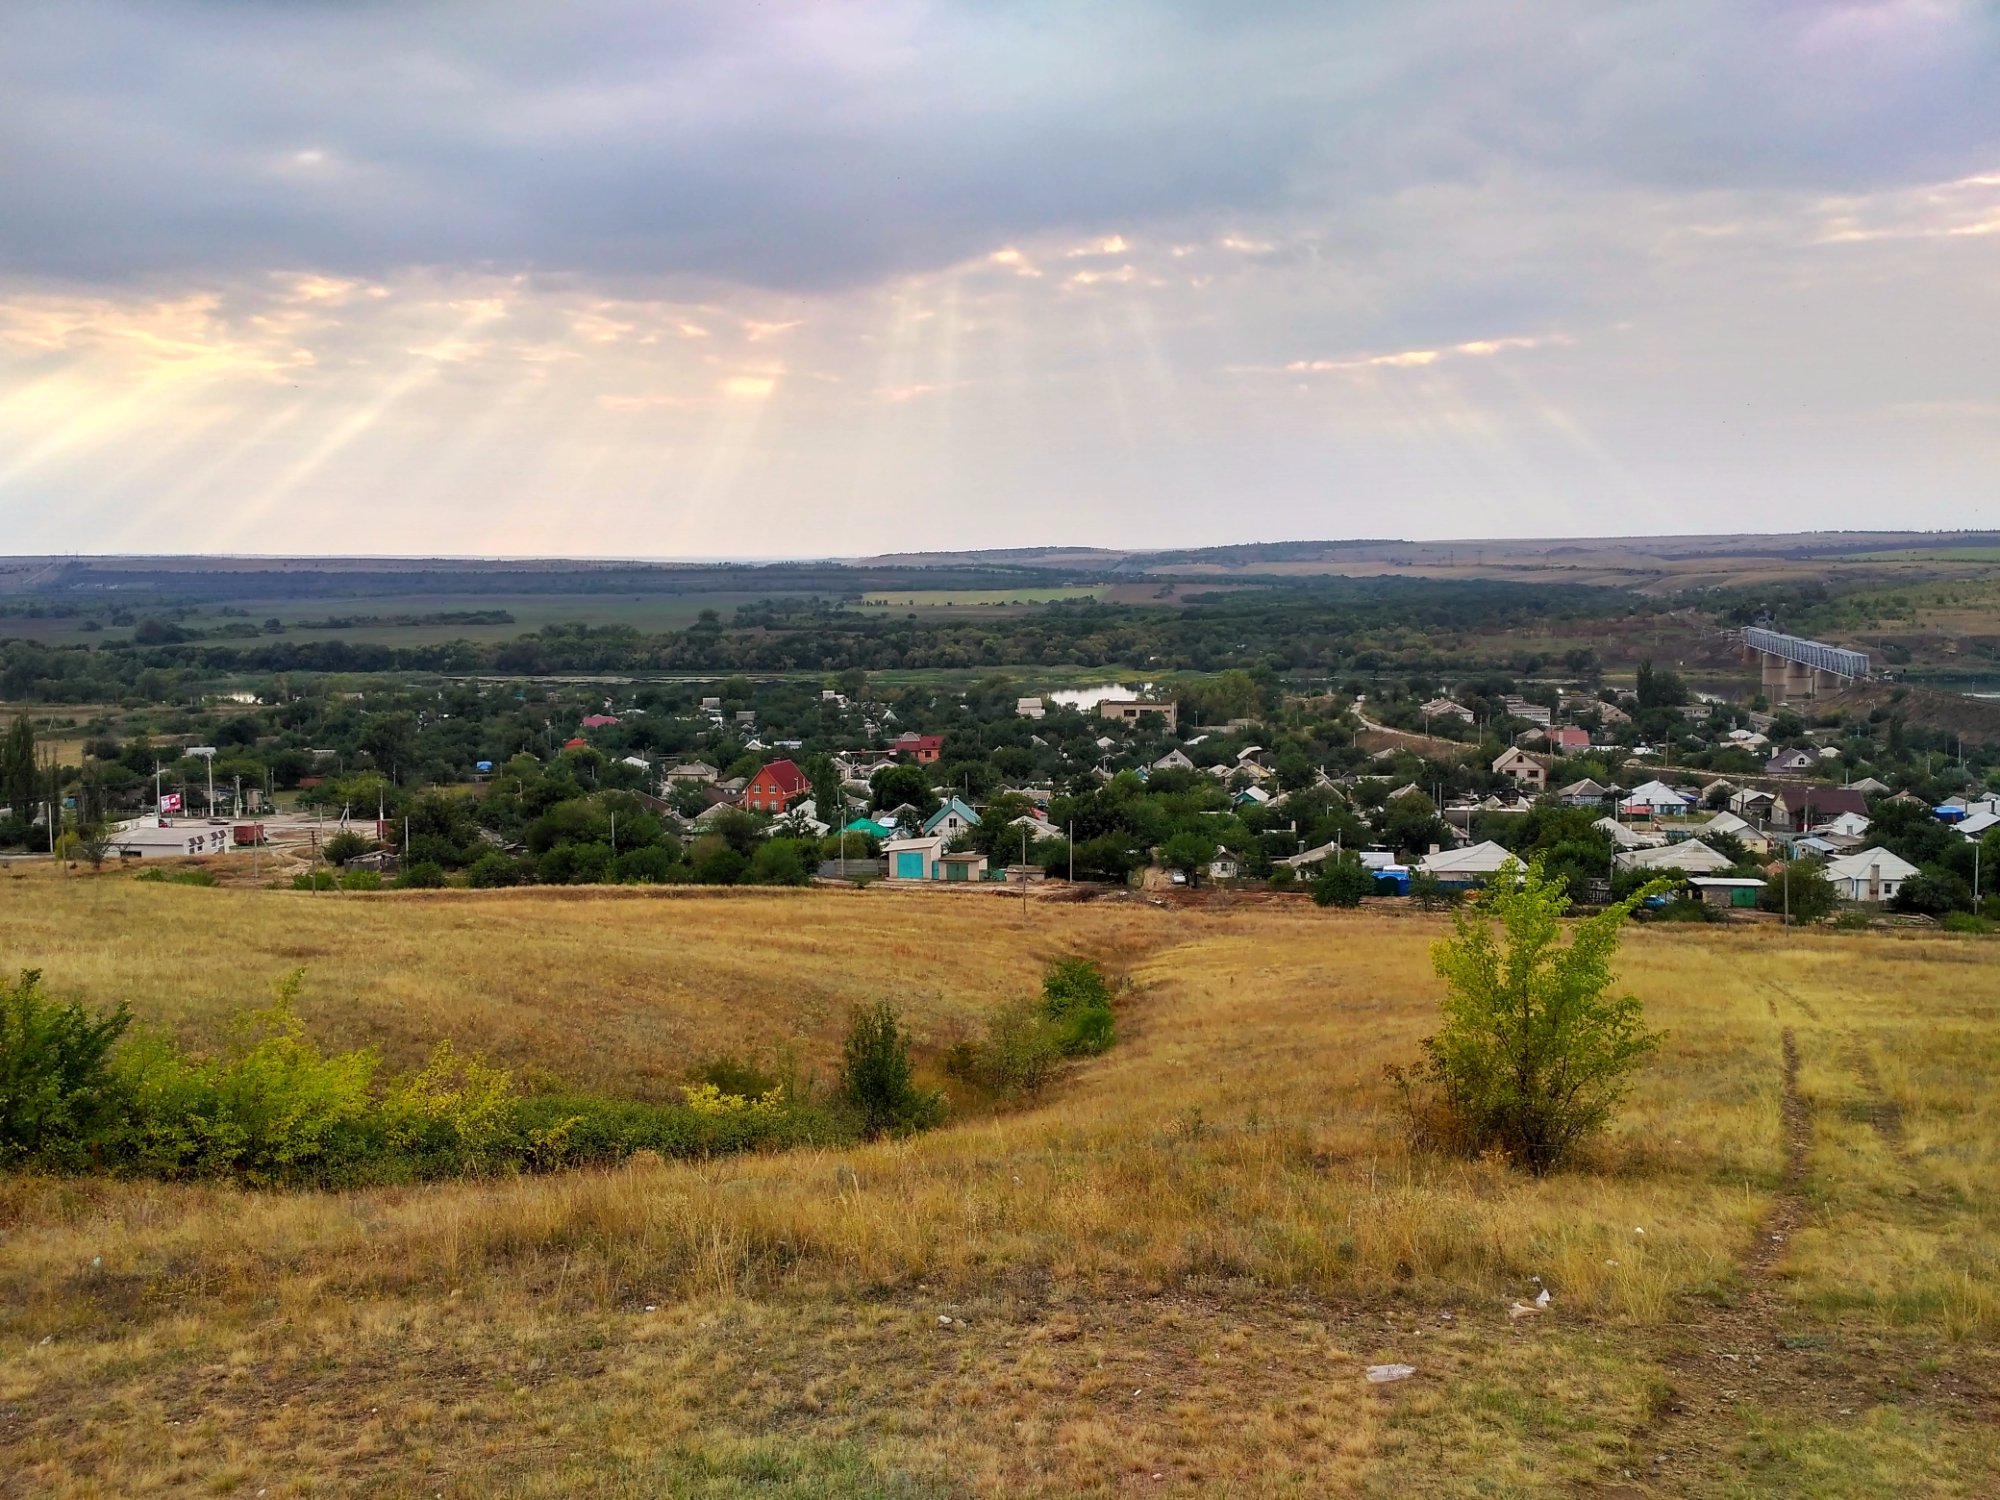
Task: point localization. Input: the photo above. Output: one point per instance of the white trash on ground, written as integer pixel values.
(1383, 1374)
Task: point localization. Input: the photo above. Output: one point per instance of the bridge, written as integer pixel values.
(1797, 668)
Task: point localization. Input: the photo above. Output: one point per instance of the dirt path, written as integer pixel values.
(1751, 1349)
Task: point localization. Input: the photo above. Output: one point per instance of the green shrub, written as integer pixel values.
(1801, 887)
(344, 846)
(493, 870)
(1343, 882)
(422, 876)
(877, 1081)
(56, 1086)
(455, 1115)
(1687, 909)
(1018, 1056)
(1076, 997)
(361, 880)
(300, 1112)
(731, 1075)
(550, 1131)
(1965, 921)
(158, 876)
(1534, 1053)
(1282, 878)
(1854, 919)
(316, 880)
(1428, 893)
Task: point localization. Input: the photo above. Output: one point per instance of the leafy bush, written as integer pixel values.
(1428, 893)
(493, 870)
(877, 1080)
(1018, 1056)
(1933, 891)
(422, 876)
(1343, 882)
(1077, 998)
(1965, 921)
(1685, 908)
(1802, 883)
(272, 1109)
(453, 1116)
(731, 1075)
(158, 876)
(56, 1087)
(344, 846)
(1533, 1054)
(1283, 878)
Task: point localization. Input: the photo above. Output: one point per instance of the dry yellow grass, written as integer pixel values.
(1177, 1267)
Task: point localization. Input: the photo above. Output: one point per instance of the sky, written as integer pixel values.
(833, 277)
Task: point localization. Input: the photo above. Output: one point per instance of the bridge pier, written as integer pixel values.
(1790, 668)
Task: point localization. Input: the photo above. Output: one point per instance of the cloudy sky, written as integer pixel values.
(800, 277)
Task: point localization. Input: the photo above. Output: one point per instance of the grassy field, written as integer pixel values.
(1780, 1275)
(924, 599)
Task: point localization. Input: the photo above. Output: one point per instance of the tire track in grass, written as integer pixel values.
(1720, 1350)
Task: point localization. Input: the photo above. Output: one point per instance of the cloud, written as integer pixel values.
(1408, 359)
(846, 142)
(318, 270)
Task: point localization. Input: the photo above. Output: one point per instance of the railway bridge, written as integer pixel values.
(1797, 668)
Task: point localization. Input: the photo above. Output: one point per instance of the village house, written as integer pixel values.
(1870, 875)
(1446, 708)
(1690, 855)
(921, 748)
(1173, 760)
(949, 821)
(1132, 710)
(1565, 739)
(1790, 762)
(1654, 799)
(1467, 866)
(1520, 708)
(1752, 804)
(1798, 807)
(1584, 793)
(1522, 769)
(776, 787)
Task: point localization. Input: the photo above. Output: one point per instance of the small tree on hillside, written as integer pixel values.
(1534, 1052)
(877, 1079)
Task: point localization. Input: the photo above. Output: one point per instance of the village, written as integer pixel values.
(1174, 789)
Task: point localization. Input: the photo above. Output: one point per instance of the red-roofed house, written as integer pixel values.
(776, 787)
(600, 721)
(922, 748)
(1565, 740)
(576, 744)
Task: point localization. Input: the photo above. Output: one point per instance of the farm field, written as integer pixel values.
(1779, 1275)
(650, 613)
